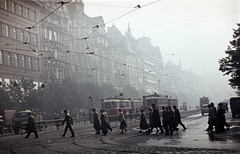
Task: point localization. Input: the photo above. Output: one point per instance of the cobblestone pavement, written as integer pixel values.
(87, 142)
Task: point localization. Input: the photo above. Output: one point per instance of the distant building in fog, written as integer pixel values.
(49, 46)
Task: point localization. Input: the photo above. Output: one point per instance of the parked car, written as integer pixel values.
(235, 106)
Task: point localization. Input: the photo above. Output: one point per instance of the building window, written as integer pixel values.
(16, 60)
(1, 58)
(56, 54)
(6, 5)
(26, 13)
(20, 10)
(50, 35)
(29, 62)
(34, 39)
(13, 7)
(55, 36)
(34, 16)
(37, 68)
(28, 38)
(23, 61)
(21, 35)
(7, 31)
(9, 59)
(45, 33)
(14, 33)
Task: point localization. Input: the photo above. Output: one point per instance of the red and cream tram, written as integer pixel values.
(136, 105)
(111, 105)
(159, 101)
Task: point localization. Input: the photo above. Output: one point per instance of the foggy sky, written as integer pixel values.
(195, 32)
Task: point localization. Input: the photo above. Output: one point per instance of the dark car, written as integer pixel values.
(235, 106)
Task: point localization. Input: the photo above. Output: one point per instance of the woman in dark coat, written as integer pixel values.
(96, 123)
(123, 124)
(143, 122)
(156, 123)
(104, 123)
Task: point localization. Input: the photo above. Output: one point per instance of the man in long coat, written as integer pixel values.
(221, 118)
(178, 117)
(171, 120)
(31, 126)
(69, 122)
(156, 120)
(212, 119)
(96, 123)
(165, 120)
(150, 116)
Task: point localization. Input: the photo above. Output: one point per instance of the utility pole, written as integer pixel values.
(51, 69)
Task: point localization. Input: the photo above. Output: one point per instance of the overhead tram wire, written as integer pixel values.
(179, 28)
(205, 37)
(136, 8)
(159, 25)
(173, 22)
(62, 3)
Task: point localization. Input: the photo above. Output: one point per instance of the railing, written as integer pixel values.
(133, 118)
(54, 125)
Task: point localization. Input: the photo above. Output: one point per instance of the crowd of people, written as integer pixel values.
(168, 125)
(170, 120)
(216, 118)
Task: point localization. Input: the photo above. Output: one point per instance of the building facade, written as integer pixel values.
(18, 56)
(49, 42)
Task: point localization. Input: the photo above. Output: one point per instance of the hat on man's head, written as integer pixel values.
(64, 110)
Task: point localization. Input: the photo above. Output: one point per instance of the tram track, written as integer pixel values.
(85, 142)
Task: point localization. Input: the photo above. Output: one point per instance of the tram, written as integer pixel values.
(136, 105)
(159, 101)
(111, 105)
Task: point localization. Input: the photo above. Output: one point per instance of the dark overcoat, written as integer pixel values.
(31, 125)
(96, 124)
(103, 121)
(171, 119)
(155, 119)
(143, 122)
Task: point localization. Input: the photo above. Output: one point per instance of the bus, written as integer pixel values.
(159, 101)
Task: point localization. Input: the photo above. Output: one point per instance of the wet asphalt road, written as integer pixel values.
(194, 136)
(193, 140)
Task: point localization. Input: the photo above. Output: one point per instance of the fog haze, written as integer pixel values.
(194, 32)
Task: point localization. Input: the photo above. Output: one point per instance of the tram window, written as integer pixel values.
(164, 101)
(114, 104)
(149, 102)
(107, 105)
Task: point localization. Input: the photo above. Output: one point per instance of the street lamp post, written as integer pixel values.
(90, 100)
(121, 96)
